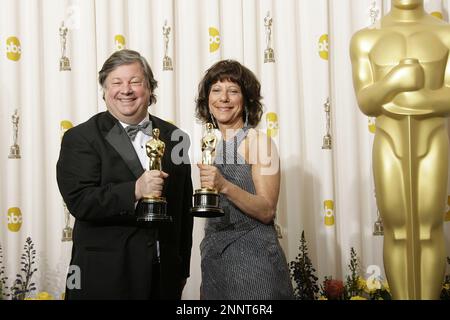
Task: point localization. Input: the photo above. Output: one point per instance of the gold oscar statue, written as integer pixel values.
(206, 200)
(401, 76)
(151, 208)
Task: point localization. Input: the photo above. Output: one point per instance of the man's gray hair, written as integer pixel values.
(127, 56)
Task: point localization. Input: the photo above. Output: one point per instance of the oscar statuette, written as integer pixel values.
(327, 139)
(64, 62)
(151, 208)
(378, 229)
(67, 231)
(14, 150)
(206, 200)
(167, 61)
(269, 54)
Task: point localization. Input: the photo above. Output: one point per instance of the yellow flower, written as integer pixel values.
(357, 298)
(447, 286)
(386, 286)
(322, 298)
(361, 283)
(44, 296)
(373, 285)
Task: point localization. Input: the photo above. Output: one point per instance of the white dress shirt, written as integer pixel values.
(139, 145)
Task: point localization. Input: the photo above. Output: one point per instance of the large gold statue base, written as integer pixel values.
(153, 210)
(206, 204)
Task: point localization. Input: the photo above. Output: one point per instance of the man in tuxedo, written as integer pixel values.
(102, 174)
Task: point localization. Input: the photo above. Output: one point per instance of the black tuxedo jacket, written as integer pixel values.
(96, 173)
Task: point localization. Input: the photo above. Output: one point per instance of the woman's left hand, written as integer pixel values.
(210, 177)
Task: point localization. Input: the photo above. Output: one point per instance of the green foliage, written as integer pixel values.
(445, 293)
(352, 288)
(332, 289)
(303, 274)
(23, 286)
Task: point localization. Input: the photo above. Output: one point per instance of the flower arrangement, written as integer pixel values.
(42, 296)
(3, 277)
(445, 293)
(352, 288)
(22, 285)
(332, 289)
(303, 273)
(355, 286)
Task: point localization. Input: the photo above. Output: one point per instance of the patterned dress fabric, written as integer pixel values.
(241, 257)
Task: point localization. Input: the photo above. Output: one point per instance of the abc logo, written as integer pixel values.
(372, 125)
(272, 124)
(14, 219)
(329, 212)
(65, 125)
(214, 39)
(437, 14)
(119, 40)
(323, 47)
(13, 49)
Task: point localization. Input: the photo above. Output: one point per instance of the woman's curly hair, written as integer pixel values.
(235, 72)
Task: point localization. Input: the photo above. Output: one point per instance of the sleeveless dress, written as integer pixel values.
(241, 258)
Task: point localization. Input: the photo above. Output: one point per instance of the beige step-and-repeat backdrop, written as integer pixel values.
(327, 190)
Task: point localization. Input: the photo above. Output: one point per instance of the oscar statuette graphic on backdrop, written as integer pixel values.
(64, 62)
(327, 138)
(206, 200)
(167, 61)
(269, 54)
(14, 150)
(67, 230)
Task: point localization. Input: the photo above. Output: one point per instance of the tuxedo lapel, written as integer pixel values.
(120, 141)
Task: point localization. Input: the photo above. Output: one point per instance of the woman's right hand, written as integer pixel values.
(210, 177)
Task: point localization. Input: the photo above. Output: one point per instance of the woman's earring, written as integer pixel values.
(246, 117)
(213, 120)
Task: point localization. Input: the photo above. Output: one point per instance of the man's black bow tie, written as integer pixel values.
(132, 130)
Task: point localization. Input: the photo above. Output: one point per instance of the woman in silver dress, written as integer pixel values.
(241, 257)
